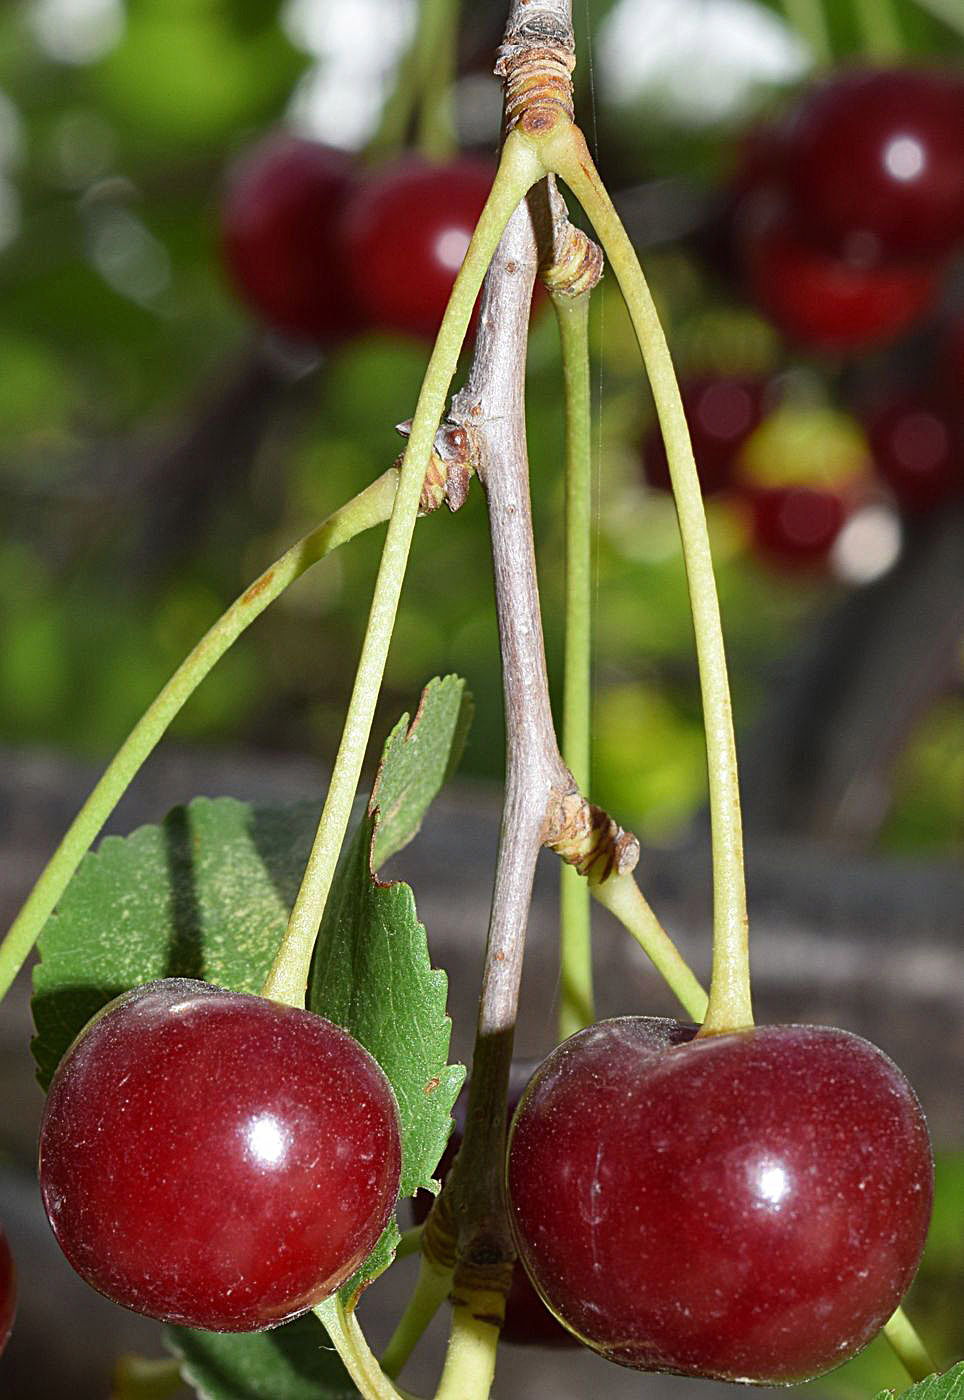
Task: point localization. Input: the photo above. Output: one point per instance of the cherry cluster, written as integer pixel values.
(321, 249)
(844, 216)
(217, 1160)
(747, 1206)
(914, 439)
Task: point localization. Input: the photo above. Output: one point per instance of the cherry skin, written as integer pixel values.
(918, 451)
(528, 1321)
(405, 233)
(721, 413)
(876, 155)
(278, 221)
(217, 1160)
(827, 302)
(795, 526)
(745, 1207)
(8, 1290)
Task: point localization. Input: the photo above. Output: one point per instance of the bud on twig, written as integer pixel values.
(449, 471)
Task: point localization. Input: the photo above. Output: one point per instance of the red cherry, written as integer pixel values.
(917, 450)
(8, 1290)
(217, 1160)
(721, 413)
(278, 236)
(795, 525)
(827, 302)
(405, 232)
(877, 155)
(744, 1207)
(528, 1322)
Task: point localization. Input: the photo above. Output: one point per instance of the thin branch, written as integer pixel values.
(490, 409)
(288, 976)
(470, 1215)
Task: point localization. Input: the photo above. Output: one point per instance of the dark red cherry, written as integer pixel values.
(795, 526)
(527, 1320)
(918, 450)
(877, 155)
(744, 1207)
(721, 413)
(217, 1160)
(278, 219)
(405, 233)
(826, 302)
(8, 1290)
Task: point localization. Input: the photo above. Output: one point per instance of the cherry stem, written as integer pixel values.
(518, 169)
(880, 28)
(564, 150)
(807, 17)
(576, 1008)
(908, 1347)
(370, 507)
(470, 1358)
(425, 81)
(621, 895)
(357, 1356)
(435, 43)
(430, 1291)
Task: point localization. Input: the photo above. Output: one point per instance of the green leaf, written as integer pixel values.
(294, 1362)
(417, 761)
(372, 972)
(206, 894)
(949, 1386)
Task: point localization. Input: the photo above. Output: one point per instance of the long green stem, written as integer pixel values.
(908, 1347)
(880, 29)
(370, 507)
(435, 128)
(519, 168)
(359, 1360)
(430, 1291)
(470, 1359)
(423, 83)
(576, 1001)
(807, 17)
(621, 895)
(730, 1005)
